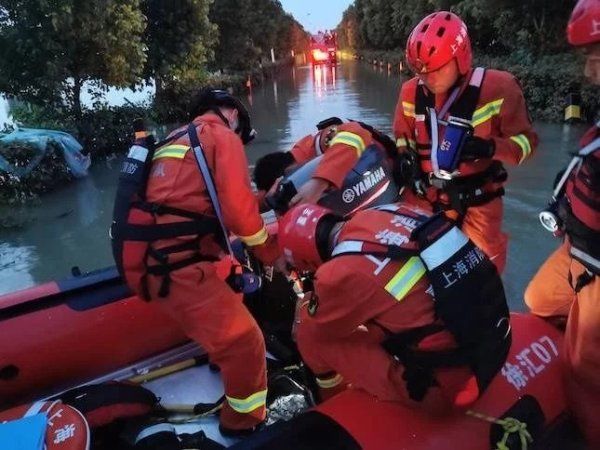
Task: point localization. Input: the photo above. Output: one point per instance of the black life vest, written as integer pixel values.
(585, 248)
(471, 305)
(134, 220)
(579, 208)
(582, 223)
(466, 190)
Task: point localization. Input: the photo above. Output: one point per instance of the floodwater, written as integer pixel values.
(69, 226)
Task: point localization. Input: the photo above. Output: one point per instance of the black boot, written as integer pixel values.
(242, 432)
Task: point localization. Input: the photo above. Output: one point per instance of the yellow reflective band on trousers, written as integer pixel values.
(409, 109)
(328, 383)
(522, 142)
(171, 151)
(248, 404)
(486, 112)
(256, 239)
(351, 139)
(406, 278)
(401, 142)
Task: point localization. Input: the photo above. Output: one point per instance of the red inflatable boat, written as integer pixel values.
(62, 333)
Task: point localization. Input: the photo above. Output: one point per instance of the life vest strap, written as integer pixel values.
(149, 233)
(582, 280)
(404, 346)
(585, 242)
(159, 253)
(474, 190)
(167, 268)
(164, 269)
(161, 210)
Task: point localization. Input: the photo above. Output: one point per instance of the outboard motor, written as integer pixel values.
(369, 183)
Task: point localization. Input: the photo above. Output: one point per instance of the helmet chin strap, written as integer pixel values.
(218, 112)
(333, 236)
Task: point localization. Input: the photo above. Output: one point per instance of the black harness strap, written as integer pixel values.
(582, 280)
(148, 233)
(160, 210)
(165, 270)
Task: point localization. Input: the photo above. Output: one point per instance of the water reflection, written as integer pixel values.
(69, 228)
(16, 261)
(270, 112)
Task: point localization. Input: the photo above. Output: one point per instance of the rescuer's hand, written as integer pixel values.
(310, 192)
(264, 197)
(477, 148)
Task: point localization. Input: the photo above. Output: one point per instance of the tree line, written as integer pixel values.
(525, 37)
(496, 27)
(48, 50)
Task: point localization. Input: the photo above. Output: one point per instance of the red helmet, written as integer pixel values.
(584, 24)
(437, 39)
(303, 233)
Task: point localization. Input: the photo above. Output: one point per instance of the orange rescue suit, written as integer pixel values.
(552, 293)
(500, 115)
(342, 145)
(207, 309)
(357, 298)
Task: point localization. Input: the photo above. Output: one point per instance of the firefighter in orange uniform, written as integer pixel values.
(179, 274)
(372, 321)
(341, 144)
(567, 285)
(447, 89)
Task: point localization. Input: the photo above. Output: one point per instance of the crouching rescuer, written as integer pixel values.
(405, 306)
(177, 201)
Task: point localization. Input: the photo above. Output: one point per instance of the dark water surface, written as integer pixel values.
(69, 226)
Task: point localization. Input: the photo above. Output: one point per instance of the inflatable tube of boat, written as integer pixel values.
(62, 333)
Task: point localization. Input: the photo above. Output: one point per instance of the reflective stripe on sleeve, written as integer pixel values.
(248, 404)
(257, 238)
(486, 112)
(351, 139)
(522, 141)
(409, 109)
(406, 278)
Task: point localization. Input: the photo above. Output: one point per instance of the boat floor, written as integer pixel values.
(197, 384)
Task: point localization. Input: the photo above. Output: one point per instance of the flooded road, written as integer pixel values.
(69, 226)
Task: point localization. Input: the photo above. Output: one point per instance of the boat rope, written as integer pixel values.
(195, 412)
(510, 425)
